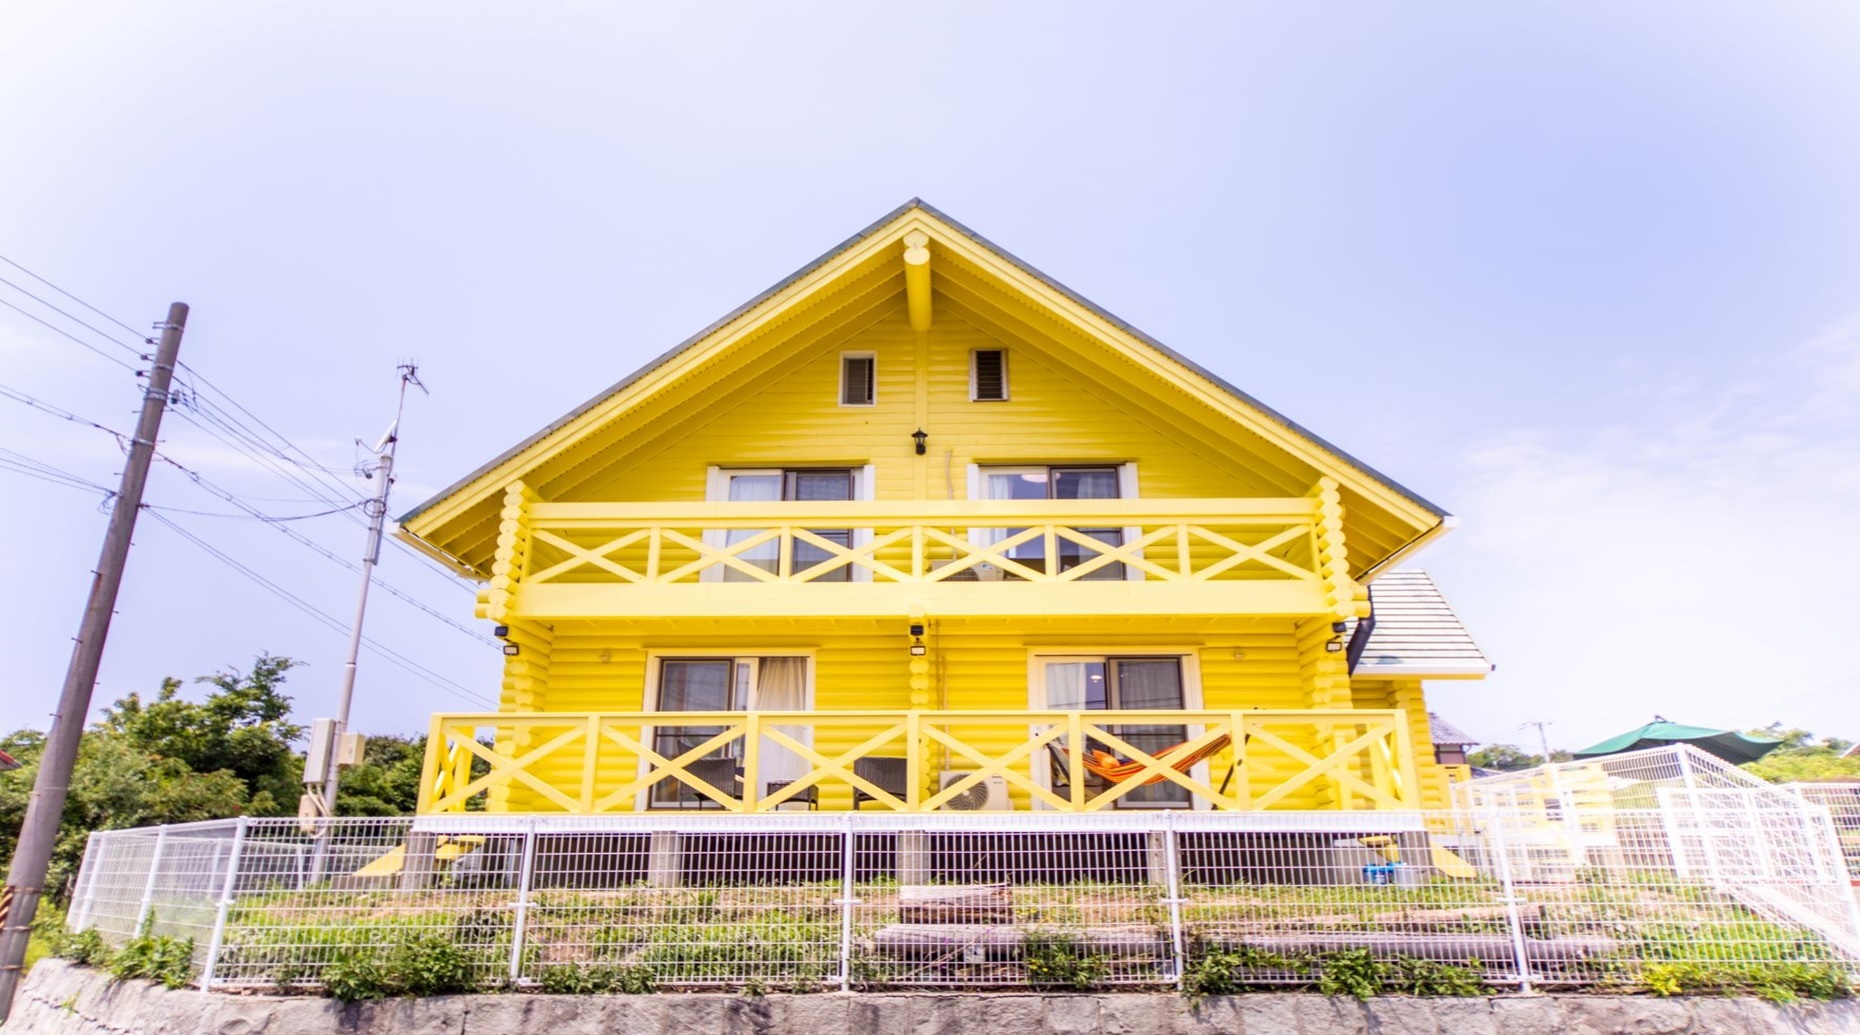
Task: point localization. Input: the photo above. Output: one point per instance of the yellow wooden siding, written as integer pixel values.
(1406, 694)
(1051, 417)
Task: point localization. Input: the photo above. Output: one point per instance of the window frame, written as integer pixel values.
(871, 386)
(1188, 657)
(1127, 489)
(735, 656)
(974, 380)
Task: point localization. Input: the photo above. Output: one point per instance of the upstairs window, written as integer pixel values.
(988, 375)
(858, 379)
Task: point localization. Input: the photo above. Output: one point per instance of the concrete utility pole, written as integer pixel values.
(325, 794)
(25, 882)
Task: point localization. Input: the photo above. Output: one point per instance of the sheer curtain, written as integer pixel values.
(753, 488)
(781, 686)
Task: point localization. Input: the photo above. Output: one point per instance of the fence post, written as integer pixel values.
(226, 900)
(96, 846)
(1495, 827)
(523, 900)
(847, 901)
(1172, 871)
(148, 886)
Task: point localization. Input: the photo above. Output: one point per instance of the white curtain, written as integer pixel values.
(781, 686)
(753, 488)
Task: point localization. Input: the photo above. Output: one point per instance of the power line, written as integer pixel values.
(20, 463)
(448, 685)
(253, 446)
(257, 517)
(7, 392)
(71, 296)
(319, 548)
(105, 335)
(54, 328)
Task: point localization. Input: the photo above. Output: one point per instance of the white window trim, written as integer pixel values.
(1127, 488)
(858, 354)
(1190, 658)
(649, 696)
(717, 490)
(1007, 391)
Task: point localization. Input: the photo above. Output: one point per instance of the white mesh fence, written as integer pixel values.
(1842, 800)
(1707, 878)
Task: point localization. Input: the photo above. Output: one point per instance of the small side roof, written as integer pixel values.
(1445, 732)
(1417, 633)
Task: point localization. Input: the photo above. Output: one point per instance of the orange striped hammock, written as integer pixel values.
(1116, 770)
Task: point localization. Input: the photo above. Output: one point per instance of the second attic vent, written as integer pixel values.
(988, 375)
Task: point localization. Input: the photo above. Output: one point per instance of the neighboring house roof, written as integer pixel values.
(982, 282)
(1445, 732)
(1416, 633)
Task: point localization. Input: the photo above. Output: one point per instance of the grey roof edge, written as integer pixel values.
(867, 231)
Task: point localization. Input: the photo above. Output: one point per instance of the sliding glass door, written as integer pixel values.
(1056, 483)
(1125, 684)
(804, 485)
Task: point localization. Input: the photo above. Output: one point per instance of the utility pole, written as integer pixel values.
(322, 798)
(1542, 738)
(19, 903)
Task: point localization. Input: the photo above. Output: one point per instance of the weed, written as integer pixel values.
(1059, 961)
(571, 979)
(154, 958)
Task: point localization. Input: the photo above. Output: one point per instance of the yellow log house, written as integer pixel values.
(918, 529)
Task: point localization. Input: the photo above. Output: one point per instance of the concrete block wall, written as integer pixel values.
(61, 999)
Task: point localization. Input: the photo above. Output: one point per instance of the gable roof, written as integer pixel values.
(1417, 633)
(1417, 518)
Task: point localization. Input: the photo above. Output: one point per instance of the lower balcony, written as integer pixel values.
(592, 763)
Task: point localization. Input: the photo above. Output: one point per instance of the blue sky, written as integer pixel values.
(1585, 274)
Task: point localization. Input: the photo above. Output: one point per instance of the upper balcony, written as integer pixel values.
(1268, 557)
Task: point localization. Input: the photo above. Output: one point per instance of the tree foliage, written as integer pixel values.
(167, 759)
(1509, 758)
(1803, 757)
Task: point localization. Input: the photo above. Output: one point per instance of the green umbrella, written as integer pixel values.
(1729, 745)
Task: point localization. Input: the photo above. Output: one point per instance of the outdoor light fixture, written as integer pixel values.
(920, 437)
(918, 649)
(511, 649)
(1331, 645)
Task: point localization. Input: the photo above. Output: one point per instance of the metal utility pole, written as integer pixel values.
(383, 472)
(37, 835)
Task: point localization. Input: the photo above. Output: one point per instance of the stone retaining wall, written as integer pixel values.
(61, 999)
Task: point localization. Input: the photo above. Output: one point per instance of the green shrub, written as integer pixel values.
(1059, 961)
(1230, 971)
(1351, 972)
(86, 947)
(154, 958)
(570, 979)
(417, 965)
(356, 976)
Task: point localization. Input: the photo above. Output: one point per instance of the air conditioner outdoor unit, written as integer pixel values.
(990, 795)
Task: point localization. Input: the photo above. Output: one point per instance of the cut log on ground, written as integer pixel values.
(1443, 948)
(975, 943)
(960, 904)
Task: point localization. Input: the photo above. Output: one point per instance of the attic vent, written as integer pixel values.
(988, 375)
(857, 375)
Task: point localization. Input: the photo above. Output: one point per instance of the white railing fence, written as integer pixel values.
(823, 901)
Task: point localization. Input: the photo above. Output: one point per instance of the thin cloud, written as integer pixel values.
(1680, 567)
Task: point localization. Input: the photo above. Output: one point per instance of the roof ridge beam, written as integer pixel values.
(917, 278)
